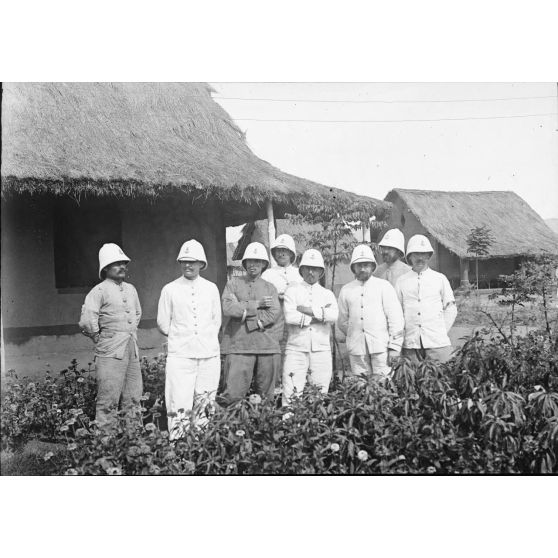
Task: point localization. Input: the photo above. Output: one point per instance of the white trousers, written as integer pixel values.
(299, 367)
(370, 364)
(189, 381)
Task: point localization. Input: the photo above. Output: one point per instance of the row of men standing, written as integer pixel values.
(278, 322)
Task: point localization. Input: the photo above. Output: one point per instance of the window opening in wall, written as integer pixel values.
(79, 231)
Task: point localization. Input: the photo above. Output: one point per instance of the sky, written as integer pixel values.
(371, 158)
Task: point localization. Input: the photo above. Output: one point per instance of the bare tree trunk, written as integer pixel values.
(334, 348)
(545, 308)
(512, 326)
(477, 272)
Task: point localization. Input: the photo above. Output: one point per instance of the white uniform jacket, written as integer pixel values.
(392, 272)
(190, 314)
(429, 308)
(282, 277)
(303, 334)
(370, 316)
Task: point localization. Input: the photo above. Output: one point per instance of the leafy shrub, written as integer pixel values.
(492, 409)
(40, 409)
(50, 409)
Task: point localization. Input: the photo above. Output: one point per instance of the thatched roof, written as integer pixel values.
(257, 231)
(139, 139)
(449, 217)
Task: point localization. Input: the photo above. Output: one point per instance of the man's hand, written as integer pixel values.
(305, 310)
(265, 302)
(392, 357)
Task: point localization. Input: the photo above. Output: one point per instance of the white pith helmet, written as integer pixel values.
(192, 251)
(285, 241)
(393, 239)
(109, 254)
(362, 253)
(312, 258)
(420, 244)
(255, 251)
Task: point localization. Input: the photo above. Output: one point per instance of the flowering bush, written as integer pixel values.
(40, 409)
(55, 408)
(492, 409)
(127, 447)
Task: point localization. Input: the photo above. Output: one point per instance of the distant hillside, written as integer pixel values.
(552, 223)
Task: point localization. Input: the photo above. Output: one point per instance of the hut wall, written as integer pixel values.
(448, 264)
(41, 319)
(491, 269)
(343, 275)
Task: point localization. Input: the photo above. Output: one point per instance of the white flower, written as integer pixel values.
(240, 433)
(80, 380)
(71, 472)
(288, 415)
(151, 427)
(255, 399)
(334, 447)
(48, 455)
(31, 385)
(114, 471)
(431, 470)
(189, 466)
(362, 455)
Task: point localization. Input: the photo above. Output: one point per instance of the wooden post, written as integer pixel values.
(464, 272)
(270, 227)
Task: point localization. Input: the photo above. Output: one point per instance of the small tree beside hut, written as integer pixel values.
(336, 221)
(478, 243)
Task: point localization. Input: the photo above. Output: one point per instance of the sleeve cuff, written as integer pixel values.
(319, 313)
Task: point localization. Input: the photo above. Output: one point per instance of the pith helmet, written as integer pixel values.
(362, 253)
(419, 243)
(109, 254)
(192, 251)
(255, 251)
(285, 241)
(394, 239)
(312, 258)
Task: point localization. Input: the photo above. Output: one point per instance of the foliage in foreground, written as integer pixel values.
(492, 409)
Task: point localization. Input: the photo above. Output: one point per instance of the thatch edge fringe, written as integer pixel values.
(79, 189)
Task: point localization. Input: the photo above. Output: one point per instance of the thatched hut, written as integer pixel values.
(448, 217)
(146, 165)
